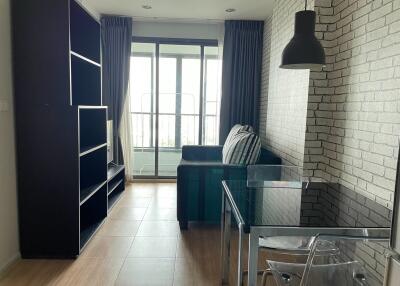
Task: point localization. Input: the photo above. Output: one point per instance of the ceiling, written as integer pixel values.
(189, 10)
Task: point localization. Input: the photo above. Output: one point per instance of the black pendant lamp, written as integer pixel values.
(304, 51)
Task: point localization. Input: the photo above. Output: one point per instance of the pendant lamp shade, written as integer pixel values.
(304, 51)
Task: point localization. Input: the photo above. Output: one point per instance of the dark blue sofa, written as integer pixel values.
(199, 178)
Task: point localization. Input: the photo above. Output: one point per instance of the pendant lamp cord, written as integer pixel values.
(305, 6)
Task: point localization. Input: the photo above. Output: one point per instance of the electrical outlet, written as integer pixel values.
(4, 106)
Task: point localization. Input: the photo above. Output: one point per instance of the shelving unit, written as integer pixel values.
(61, 127)
(115, 183)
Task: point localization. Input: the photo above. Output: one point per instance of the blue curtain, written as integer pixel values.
(241, 75)
(116, 33)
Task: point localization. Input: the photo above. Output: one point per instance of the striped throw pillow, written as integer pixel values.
(234, 131)
(244, 149)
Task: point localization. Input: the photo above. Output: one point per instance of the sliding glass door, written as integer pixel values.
(174, 102)
(143, 108)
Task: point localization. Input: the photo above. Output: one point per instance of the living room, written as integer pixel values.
(199, 142)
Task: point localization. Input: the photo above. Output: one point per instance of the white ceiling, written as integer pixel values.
(182, 10)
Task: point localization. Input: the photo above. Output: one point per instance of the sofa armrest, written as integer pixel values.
(201, 153)
(268, 158)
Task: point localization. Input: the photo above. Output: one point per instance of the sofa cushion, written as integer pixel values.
(243, 149)
(235, 130)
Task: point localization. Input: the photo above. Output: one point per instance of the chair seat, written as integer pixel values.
(296, 245)
(286, 243)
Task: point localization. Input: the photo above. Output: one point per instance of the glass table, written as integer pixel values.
(278, 206)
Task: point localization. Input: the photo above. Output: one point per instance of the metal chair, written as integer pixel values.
(392, 275)
(285, 177)
(348, 266)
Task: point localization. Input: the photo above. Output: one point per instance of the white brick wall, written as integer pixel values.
(357, 125)
(284, 92)
(348, 131)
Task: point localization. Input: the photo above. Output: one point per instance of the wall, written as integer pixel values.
(284, 92)
(9, 248)
(178, 30)
(347, 131)
(353, 120)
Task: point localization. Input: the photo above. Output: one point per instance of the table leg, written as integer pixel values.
(225, 240)
(253, 259)
(240, 258)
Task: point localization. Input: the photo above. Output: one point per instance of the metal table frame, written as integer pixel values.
(256, 232)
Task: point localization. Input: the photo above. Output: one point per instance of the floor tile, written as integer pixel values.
(163, 202)
(166, 191)
(133, 202)
(108, 247)
(115, 256)
(160, 214)
(125, 213)
(184, 273)
(154, 247)
(146, 271)
(158, 228)
(34, 272)
(113, 227)
(141, 192)
(91, 271)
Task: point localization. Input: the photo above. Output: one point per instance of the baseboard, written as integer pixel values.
(5, 266)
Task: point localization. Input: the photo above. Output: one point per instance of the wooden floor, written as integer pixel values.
(139, 244)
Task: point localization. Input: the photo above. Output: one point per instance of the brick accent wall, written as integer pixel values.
(352, 126)
(284, 92)
(353, 123)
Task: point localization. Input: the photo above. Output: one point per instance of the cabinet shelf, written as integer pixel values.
(92, 129)
(90, 149)
(113, 186)
(92, 214)
(113, 198)
(88, 232)
(75, 54)
(87, 193)
(85, 33)
(114, 170)
(85, 82)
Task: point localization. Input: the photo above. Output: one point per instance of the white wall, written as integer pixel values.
(284, 93)
(353, 113)
(9, 246)
(178, 30)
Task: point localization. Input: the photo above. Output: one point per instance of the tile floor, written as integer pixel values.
(139, 244)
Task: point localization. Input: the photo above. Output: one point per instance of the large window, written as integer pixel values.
(174, 102)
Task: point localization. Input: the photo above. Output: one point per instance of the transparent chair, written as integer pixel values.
(280, 177)
(355, 262)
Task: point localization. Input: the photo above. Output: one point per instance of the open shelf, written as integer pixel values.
(114, 170)
(92, 215)
(115, 183)
(91, 149)
(92, 129)
(88, 232)
(85, 81)
(87, 193)
(93, 169)
(112, 187)
(85, 33)
(114, 196)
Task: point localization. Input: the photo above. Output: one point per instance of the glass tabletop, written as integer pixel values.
(287, 203)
